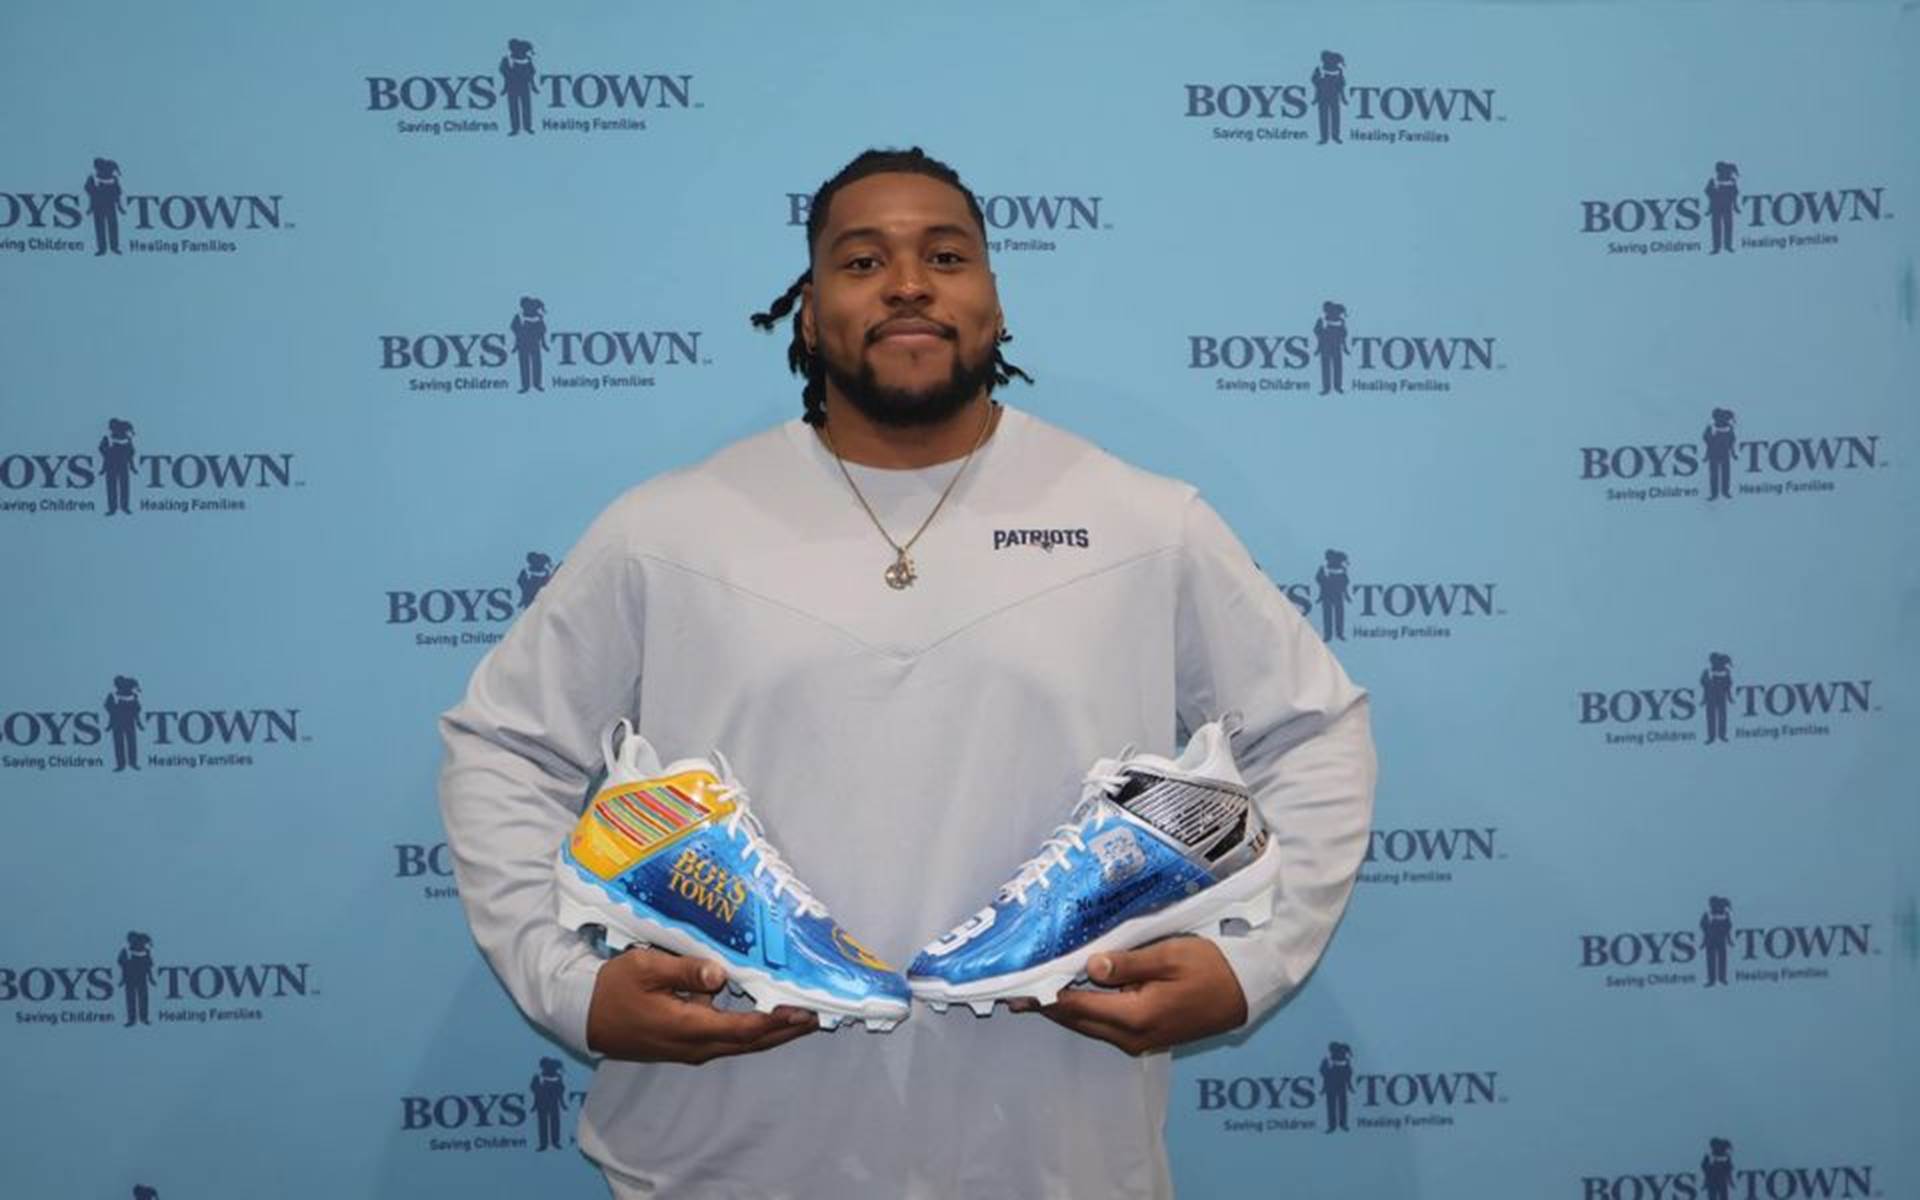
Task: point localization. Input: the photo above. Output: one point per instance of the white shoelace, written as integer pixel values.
(1053, 851)
(766, 860)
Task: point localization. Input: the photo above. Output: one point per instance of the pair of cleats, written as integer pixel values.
(672, 857)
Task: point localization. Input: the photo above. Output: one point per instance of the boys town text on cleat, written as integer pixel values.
(672, 857)
(1155, 847)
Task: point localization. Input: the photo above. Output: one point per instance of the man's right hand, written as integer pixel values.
(651, 1006)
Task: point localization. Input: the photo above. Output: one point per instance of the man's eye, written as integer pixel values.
(864, 262)
(949, 258)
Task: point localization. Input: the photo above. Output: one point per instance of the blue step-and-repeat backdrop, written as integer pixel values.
(1557, 360)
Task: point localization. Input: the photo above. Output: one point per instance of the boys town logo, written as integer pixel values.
(1347, 1095)
(1735, 219)
(138, 735)
(529, 353)
(123, 219)
(1725, 706)
(577, 100)
(1428, 855)
(1016, 222)
(1795, 466)
(131, 476)
(469, 1121)
(1331, 358)
(150, 987)
(1349, 605)
(469, 616)
(1725, 1174)
(1340, 109)
(421, 860)
(1720, 950)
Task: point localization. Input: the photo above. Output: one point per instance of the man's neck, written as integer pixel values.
(856, 438)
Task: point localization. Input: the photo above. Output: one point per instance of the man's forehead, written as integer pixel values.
(897, 202)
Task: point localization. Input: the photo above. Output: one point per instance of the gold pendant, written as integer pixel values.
(900, 575)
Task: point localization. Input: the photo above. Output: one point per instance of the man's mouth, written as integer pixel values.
(909, 327)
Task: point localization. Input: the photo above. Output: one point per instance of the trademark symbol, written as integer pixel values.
(1500, 366)
(1502, 118)
(1501, 612)
(1108, 225)
(699, 103)
(290, 225)
(306, 737)
(1502, 854)
(706, 362)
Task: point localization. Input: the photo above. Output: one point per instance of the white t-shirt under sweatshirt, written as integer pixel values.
(907, 750)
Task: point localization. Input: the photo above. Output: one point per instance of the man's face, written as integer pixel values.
(902, 310)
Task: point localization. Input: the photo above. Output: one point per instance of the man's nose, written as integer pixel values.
(908, 281)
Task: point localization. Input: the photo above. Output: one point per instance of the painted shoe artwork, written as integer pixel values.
(1155, 847)
(672, 857)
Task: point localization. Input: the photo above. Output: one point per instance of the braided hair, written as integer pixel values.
(804, 362)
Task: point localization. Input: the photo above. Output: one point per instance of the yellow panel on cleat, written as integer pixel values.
(628, 822)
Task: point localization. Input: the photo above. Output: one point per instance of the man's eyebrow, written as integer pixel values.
(873, 232)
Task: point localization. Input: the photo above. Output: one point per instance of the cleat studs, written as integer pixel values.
(1045, 995)
(938, 1006)
(828, 1021)
(981, 1008)
(880, 1025)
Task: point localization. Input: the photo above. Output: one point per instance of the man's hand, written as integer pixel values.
(650, 1006)
(1171, 992)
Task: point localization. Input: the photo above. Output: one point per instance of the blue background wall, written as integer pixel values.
(1521, 976)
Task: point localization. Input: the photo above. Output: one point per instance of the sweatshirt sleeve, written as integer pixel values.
(1305, 749)
(520, 748)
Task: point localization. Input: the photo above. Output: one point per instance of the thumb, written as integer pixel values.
(1117, 968)
(689, 974)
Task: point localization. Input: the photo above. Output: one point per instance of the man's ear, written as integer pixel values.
(809, 332)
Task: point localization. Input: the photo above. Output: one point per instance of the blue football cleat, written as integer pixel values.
(671, 857)
(1155, 847)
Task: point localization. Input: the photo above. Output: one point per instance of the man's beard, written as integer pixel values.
(907, 408)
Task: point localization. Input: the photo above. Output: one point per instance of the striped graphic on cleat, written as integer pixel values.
(649, 814)
(1194, 815)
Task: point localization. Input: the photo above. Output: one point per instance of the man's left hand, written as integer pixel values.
(1171, 992)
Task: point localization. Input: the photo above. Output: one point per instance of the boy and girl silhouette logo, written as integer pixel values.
(1334, 586)
(105, 203)
(529, 327)
(549, 1090)
(1716, 934)
(1330, 94)
(535, 575)
(124, 721)
(117, 457)
(1716, 693)
(1723, 192)
(136, 972)
(1719, 439)
(517, 74)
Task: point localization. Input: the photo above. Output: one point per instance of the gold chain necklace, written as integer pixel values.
(900, 574)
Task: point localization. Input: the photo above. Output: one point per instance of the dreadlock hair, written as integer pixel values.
(802, 361)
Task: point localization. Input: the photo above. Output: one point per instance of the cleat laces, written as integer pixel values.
(1102, 781)
(766, 860)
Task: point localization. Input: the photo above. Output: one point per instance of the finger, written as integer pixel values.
(1117, 968)
(1124, 1010)
(1117, 1036)
(697, 1024)
(778, 1037)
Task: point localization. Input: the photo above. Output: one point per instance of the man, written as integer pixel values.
(911, 710)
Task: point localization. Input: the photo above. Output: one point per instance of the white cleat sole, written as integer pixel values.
(1247, 896)
(626, 928)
